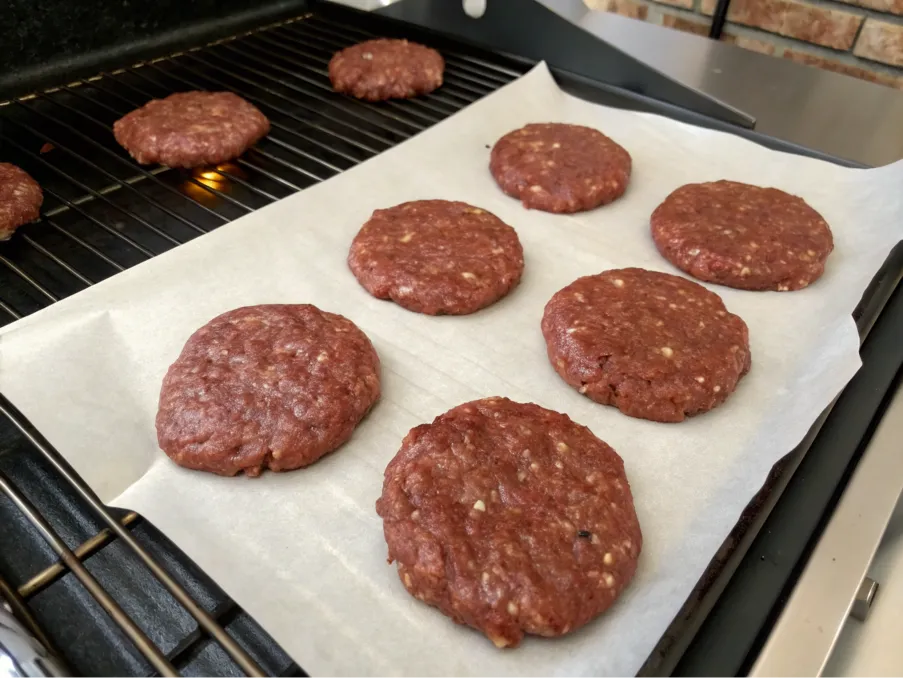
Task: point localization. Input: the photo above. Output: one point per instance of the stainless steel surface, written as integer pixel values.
(832, 113)
(801, 641)
(21, 655)
(110, 606)
(865, 596)
(873, 648)
(157, 659)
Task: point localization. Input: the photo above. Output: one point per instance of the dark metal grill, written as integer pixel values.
(103, 586)
(103, 213)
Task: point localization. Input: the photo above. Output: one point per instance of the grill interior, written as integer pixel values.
(102, 214)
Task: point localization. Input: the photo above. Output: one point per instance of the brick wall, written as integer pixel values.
(861, 38)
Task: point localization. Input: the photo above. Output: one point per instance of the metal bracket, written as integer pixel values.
(834, 584)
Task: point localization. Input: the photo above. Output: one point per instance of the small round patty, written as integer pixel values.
(273, 387)
(560, 168)
(20, 199)
(191, 129)
(654, 345)
(386, 69)
(437, 257)
(510, 518)
(742, 236)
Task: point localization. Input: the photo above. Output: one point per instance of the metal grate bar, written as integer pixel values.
(113, 154)
(122, 184)
(265, 104)
(97, 194)
(465, 61)
(47, 576)
(291, 100)
(284, 163)
(275, 42)
(269, 138)
(110, 606)
(20, 610)
(328, 46)
(463, 68)
(411, 107)
(200, 184)
(74, 238)
(235, 651)
(148, 175)
(331, 45)
(345, 105)
(74, 206)
(269, 175)
(59, 262)
(273, 39)
(27, 278)
(8, 310)
(298, 102)
(274, 124)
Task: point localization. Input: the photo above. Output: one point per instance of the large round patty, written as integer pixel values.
(654, 345)
(560, 168)
(510, 518)
(386, 69)
(437, 256)
(191, 129)
(742, 236)
(266, 387)
(20, 199)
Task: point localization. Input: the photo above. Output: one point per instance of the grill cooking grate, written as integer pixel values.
(103, 213)
(80, 573)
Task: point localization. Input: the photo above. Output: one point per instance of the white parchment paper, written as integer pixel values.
(303, 552)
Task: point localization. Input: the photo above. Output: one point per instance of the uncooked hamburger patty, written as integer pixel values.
(386, 69)
(191, 129)
(742, 236)
(510, 518)
(560, 168)
(266, 387)
(20, 199)
(654, 345)
(437, 257)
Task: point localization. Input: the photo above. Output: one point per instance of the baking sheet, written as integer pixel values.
(303, 552)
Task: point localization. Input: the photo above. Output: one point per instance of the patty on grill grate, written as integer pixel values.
(191, 129)
(20, 199)
(510, 518)
(386, 69)
(437, 257)
(275, 386)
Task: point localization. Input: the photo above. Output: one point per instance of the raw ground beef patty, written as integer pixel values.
(437, 257)
(274, 386)
(654, 345)
(742, 236)
(510, 518)
(191, 129)
(20, 199)
(560, 168)
(386, 69)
